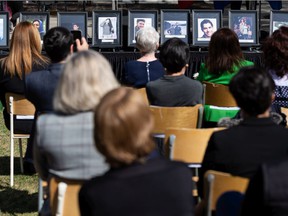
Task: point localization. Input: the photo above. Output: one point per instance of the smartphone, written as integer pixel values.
(76, 35)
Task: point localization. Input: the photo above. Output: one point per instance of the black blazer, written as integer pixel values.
(158, 187)
(241, 149)
(267, 193)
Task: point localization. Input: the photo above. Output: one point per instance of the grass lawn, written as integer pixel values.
(22, 199)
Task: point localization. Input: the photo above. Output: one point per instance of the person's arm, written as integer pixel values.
(84, 201)
(83, 45)
(102, 24)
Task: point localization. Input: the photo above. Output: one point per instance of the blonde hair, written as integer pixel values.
(25, 51)
(123, 127)
(86, 77)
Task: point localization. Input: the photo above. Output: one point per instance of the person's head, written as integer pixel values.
(140, 23)
(25, 49)
(224, 51)
(58, 43)
(253, 90)
(86, 77)
(275, 51)
(207, 27)
(174, 55)
(37, 23)
(75, 26)
(120, 113)
(147, 40)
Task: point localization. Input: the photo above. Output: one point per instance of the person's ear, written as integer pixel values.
(273, 97)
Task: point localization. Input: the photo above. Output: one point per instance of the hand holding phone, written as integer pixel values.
(76, 35)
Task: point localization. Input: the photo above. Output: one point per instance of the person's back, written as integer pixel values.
(257, 139)
(174, 88)
(139, 182)
(147, 68)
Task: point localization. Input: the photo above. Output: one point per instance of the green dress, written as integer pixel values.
(213, 113)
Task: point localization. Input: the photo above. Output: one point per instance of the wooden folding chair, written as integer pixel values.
(179, 117)
(143, 93)
(217, 183)
(64, 196)
(17, 105)
(218, 95)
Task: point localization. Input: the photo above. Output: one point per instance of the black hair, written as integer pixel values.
(174, 55)
(57, 42)
(252, 88)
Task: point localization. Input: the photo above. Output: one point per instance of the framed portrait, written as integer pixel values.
(73, 21)
(205, 23)
(107, 29)
(39, 19)
(244, 24)
(4, 30)
(278, 19)
(137, 20)
(175, 23)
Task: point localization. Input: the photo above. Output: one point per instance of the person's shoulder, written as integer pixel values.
(246, 63)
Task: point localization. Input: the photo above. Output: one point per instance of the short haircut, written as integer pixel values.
(86, 77)
(275, 50)
(140, 20)
(174, 55)
(118, 133)
(147, 40)
(57, 42)
(252, 89)
(205, 21)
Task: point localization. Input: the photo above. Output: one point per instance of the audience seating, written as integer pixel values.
(179, 117)
(142, 91)
(217, 183)
(218, 95)
(17, 105)
(64, 196)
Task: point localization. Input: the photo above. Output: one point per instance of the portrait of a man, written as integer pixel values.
(140, 23)
(207, 28)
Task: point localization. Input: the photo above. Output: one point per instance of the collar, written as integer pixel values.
(252, 121)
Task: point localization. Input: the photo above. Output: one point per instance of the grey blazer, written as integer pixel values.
(65, 147)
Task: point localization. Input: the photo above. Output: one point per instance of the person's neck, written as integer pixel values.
(266, 114)
(146, 57)
(179, 73)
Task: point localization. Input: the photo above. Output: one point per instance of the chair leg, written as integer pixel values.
(11, 161)
(21, 156)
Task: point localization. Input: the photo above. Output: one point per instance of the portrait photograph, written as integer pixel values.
(175, 23)
(244, 24)
(138, 20)
(4, 30)
(73, 21)
(278, 19)
(106, 28)
(39, 19)
(205, 23)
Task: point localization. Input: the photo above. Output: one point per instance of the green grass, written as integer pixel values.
(22, 198)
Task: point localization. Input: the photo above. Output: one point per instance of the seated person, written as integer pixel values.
(147, 68)
(241, 149)
(266, 194)
(139, 182)
(64, 144)
(174, 88)
(224, 60)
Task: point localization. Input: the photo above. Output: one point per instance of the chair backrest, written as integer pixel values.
(218, 95)
(142, 91)
(188, 145)
(69, 205)
(217, 183)
(178, 117)
(21, 106)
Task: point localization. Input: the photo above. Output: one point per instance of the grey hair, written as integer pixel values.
(147, 40)
(86, 77)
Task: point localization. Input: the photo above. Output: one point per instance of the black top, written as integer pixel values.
(158, 187)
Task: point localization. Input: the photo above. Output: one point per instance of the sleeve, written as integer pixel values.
(127, 78)
(253, 203)
(40, 161)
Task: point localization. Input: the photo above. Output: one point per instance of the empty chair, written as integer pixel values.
(19, 106)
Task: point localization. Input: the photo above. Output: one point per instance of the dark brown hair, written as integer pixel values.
(224, 52)
(275, 51)
(123, 127)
